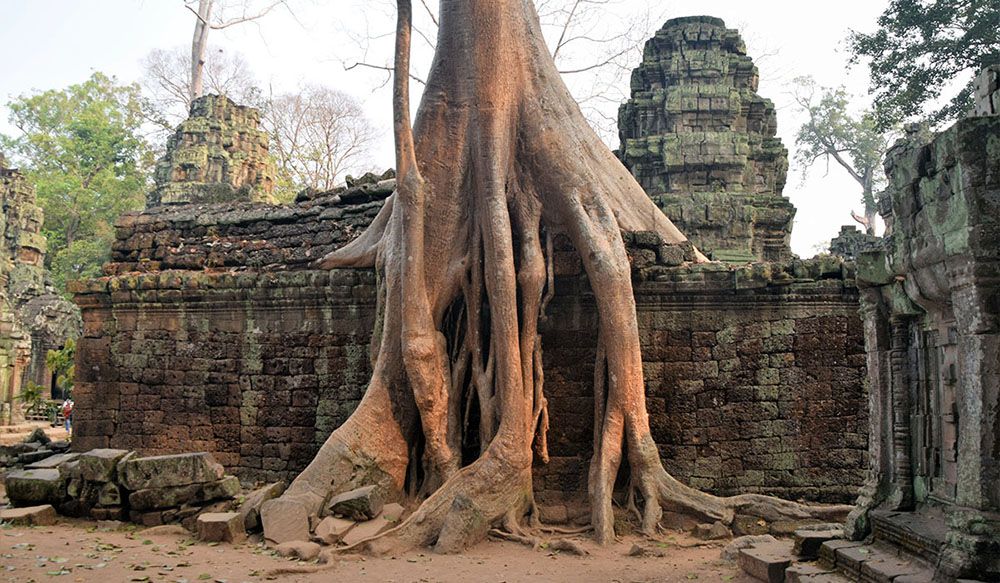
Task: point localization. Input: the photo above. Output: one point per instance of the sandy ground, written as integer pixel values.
(15, 433)
(77, 550)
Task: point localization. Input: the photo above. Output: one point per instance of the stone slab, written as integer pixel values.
(766, 562)
(812, 573)
(828, 550)
(43, 515)
(250, 508)
(366, 530)
(34, 456)
(732, 550)
(31, 487)
(331, 530)
(884, 568)
(221, 527)
(808, 542)
(166, 471)
(53, 461)
(364, 503)
(98, 465)
(284, 521)
(152, 498)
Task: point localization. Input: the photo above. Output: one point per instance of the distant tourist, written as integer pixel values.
(67, 411)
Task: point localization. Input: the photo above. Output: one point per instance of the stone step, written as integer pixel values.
(808, 541)
(767, 562)
(812, 573)
(872, 564)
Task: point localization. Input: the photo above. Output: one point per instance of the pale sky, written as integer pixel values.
(54, 43)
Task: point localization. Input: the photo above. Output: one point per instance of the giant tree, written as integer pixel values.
(499, 160)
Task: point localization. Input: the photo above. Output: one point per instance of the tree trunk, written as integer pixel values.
(199, 44)
(500, 160)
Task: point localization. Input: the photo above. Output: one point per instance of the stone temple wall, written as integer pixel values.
(33, 317)
(702, 142)
(931, 305)
(212, 333)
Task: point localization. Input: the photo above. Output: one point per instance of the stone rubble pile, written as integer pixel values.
(117, 484)
(345, 519)
(35, 447)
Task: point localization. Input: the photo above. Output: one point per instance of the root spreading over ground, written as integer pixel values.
(499, 161)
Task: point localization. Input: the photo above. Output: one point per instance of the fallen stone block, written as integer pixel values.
(151, 498)
(250, 508)
(165, 471)
(71, 470)
(98, 465)
(393, 512)
(44, 515)
(811, 573)
(38, 435)
(221, 527)
(732, 550)
(60, 446)
(366, 530)
(331, 530)
(303, 550)
(808, 541)
(53, 461)
(284, 521)
(363, 503)
(31, 487)
(34, 456)
(116, 513)
(716, 531)
(110, 495)
(766, 562)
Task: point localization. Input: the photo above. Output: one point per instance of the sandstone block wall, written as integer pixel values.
(753, 375)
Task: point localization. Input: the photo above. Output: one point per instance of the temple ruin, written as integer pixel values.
(33, 317)
(219, 154)
(213, 332)
(702, 142)
(931, 304)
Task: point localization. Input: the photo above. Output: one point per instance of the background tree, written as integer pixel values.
(218, 15)
(499, 161)
(83, 149)
(62, 363)
(921, 50)
(166, 83)
(852, 140)
(317, 135)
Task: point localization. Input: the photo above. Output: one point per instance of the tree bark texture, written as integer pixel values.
(499, 161)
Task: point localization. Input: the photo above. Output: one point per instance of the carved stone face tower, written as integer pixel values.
(701, 142)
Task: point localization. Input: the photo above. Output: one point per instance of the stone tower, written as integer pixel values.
(219, 154)
(33, 317)
(701, 142)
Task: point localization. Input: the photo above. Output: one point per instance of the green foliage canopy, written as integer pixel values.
(82, 148)
(921, 48)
